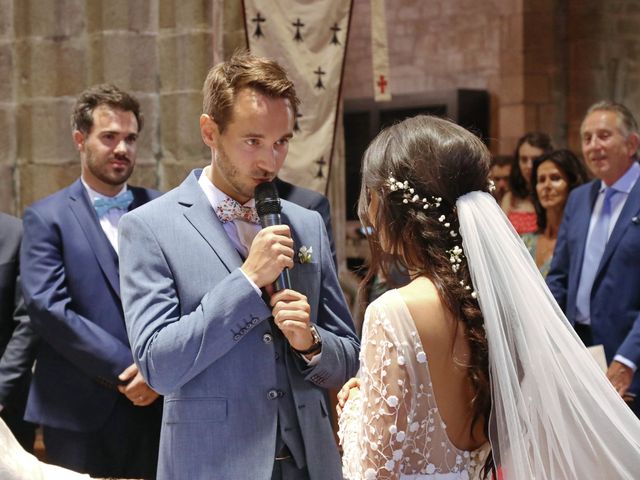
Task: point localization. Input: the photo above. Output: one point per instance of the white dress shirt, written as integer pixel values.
(109, 221)
(240, 233)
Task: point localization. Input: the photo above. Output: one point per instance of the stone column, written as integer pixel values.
(185, 55)
(8, 131)
(604, 58)
(50, 69)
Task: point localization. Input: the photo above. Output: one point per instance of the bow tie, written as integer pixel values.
(229, 210)
(122, 202)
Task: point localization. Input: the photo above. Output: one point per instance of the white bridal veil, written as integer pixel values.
(555, 415)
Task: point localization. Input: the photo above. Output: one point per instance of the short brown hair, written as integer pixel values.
(104, 94)
(244, 70)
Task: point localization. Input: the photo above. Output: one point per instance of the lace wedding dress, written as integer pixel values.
(17, 464)
(393, 429)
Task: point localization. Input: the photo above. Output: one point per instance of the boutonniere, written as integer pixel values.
(305, 255)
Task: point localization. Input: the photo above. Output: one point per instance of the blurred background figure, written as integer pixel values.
(517, 203)
(499, 173)
(17, 340)
(553, 176)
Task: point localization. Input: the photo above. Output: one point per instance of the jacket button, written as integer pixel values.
(273, 394)
(267, 338)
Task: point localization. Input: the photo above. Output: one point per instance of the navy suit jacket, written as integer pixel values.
(71, 289)
(615, 297)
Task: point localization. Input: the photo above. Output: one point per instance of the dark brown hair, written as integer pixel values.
(439, 159)
(104, 94)
(244, 70)
(519, 185)
(570, 165)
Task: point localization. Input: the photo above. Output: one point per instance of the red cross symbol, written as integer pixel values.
(382, 83)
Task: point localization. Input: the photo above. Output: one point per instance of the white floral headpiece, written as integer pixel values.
(409, 194)
(456, 254)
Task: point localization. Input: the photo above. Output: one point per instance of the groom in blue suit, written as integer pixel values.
(243, 368)
(99, 415)
(595, 272)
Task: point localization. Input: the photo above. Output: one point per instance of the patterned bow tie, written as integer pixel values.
(122, 202)
(230, 210)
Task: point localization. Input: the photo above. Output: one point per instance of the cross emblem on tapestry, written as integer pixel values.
(258, 20)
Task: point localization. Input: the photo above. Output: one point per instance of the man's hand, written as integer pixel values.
(291, 314)
(620, 377)
(349, 390)
(136, 388)
(271, 252)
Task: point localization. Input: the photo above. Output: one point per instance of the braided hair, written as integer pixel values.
(416, 223)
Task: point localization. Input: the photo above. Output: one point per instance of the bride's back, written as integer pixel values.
(447, 350)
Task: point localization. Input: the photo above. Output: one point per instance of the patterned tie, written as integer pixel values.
(121, 202)
(593, 255)
(230, 210)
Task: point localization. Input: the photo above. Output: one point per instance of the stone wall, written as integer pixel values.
(542, 61)
(51, 51)
(507, 47)
(603, 57)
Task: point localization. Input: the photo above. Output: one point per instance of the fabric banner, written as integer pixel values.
(380, 52)
(308, 38)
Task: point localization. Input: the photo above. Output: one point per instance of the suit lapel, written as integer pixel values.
(630, 209)
(201, 216)
(98, 241)
(140, 197)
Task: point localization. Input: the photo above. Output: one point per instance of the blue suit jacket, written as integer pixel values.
(72, 292)
(615, 297)
(198, 330)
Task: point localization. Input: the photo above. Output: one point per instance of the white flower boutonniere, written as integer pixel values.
(305, 255)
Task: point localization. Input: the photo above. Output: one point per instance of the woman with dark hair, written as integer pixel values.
(553, 176)
(471, 367)
(517, 203)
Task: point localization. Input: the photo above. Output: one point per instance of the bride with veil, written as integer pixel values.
(471, 370)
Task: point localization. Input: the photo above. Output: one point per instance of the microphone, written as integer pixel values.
(269, 208)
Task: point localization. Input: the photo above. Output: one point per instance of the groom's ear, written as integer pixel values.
(209, 130)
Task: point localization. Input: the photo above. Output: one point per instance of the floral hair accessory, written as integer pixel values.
(492, 186)
(409, 194)
(305, 254)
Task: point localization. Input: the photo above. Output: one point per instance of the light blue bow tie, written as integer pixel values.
(122, 202)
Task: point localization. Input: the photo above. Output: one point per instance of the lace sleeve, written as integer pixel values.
(374, 428)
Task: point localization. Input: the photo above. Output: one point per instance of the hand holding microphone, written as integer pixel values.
(271, 252)
(269, 259)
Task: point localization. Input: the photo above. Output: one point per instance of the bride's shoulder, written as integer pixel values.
(421, 295)
(425, 306)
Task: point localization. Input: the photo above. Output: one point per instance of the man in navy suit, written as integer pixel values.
(17, 340)
(244, 369)
(595, 272)
(98, 413)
